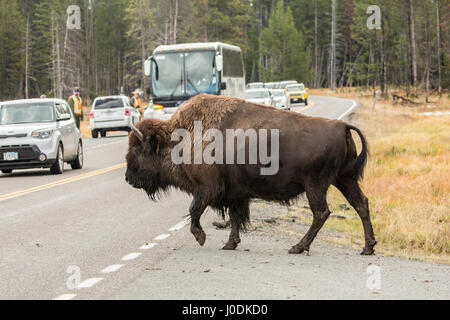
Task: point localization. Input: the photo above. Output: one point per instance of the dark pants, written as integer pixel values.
(78, 121)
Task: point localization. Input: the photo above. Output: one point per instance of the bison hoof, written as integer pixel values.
(200, 236)
(298, 250)
(232, 244)
(368, 252)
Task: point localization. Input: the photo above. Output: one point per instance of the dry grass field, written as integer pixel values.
(407, 179)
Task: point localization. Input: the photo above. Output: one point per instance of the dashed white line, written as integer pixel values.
(131, 256)
(148, 246)
(89, 283)
(179, 226)
(162, 237)
(113, 268)
(65, 297)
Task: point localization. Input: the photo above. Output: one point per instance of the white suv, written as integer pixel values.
(38, 133)
(112, 113)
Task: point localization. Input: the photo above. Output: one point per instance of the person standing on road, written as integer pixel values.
(75, 104)
(136, 102)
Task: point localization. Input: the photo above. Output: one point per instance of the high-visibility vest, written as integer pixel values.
(76, 105)
(137, 104)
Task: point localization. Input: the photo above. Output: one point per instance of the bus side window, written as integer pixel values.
(232, 64)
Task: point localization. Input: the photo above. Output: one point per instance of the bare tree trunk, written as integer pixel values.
(438, 38)
(27, 49)
(53, 55)
(58, 63)
(143, 57)
(260, 27)
(175, 22)
(383, 62)
(316, 47)
(413, 43)
(333, 47)
(428, 62)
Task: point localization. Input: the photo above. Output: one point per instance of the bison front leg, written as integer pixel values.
(196, 210)
(239, 216)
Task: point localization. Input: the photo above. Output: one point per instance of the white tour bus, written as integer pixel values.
(182, 71)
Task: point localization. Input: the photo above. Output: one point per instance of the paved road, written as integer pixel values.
(126, 247)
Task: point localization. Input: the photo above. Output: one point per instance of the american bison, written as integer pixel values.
(314, 153)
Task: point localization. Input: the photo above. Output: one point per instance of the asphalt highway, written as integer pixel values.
(88, 235)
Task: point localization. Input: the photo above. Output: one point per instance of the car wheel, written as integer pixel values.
(58, 166)
(103, 133)
(77, 164)
(7, 171)
(94, 134)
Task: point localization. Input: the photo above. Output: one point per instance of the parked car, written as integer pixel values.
(259, 96)
(112, 113)
(281, 100)
(284, 84)
(297, 94)
(39, 133)
(271, 85)
(255, 85)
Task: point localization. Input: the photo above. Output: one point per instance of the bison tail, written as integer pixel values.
(357, 169)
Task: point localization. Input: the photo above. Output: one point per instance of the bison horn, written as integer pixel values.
(137, 132)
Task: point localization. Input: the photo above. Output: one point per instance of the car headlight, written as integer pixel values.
(42, 134)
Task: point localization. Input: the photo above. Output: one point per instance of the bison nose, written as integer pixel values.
(126, 177)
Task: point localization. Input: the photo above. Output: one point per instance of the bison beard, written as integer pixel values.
(315, 153)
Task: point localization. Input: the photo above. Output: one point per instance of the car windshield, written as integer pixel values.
(277, 93)
(262, 94)
(299, 87)
(184, 74)
(285, 84)
(270, 85)
(256, 85)
(25, 113)
(108, 103)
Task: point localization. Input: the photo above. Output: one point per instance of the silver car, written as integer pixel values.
(112, 113)
(280, 98)
(259, 96)
(39, 133)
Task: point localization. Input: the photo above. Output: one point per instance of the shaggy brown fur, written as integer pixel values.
(314, 154)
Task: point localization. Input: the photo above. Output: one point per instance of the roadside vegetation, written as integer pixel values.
(407, 178)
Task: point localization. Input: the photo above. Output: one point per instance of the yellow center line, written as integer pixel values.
(60, 182)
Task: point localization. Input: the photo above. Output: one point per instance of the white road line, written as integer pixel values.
(131, 256)
(113, 268)
(147, 246)
(352, 108)
(65, 297)
(179, 226)
(89, 283)
(162, 237)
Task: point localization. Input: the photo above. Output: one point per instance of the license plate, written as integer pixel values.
(10, 156)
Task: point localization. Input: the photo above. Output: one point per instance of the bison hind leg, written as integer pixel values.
(317, 198)
(354, 195)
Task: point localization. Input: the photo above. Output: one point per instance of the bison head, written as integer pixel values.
(148, 146)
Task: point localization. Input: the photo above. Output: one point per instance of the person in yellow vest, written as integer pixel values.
(136, 102)
(75, 104)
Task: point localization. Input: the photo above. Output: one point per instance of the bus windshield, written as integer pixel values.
(184, 74)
